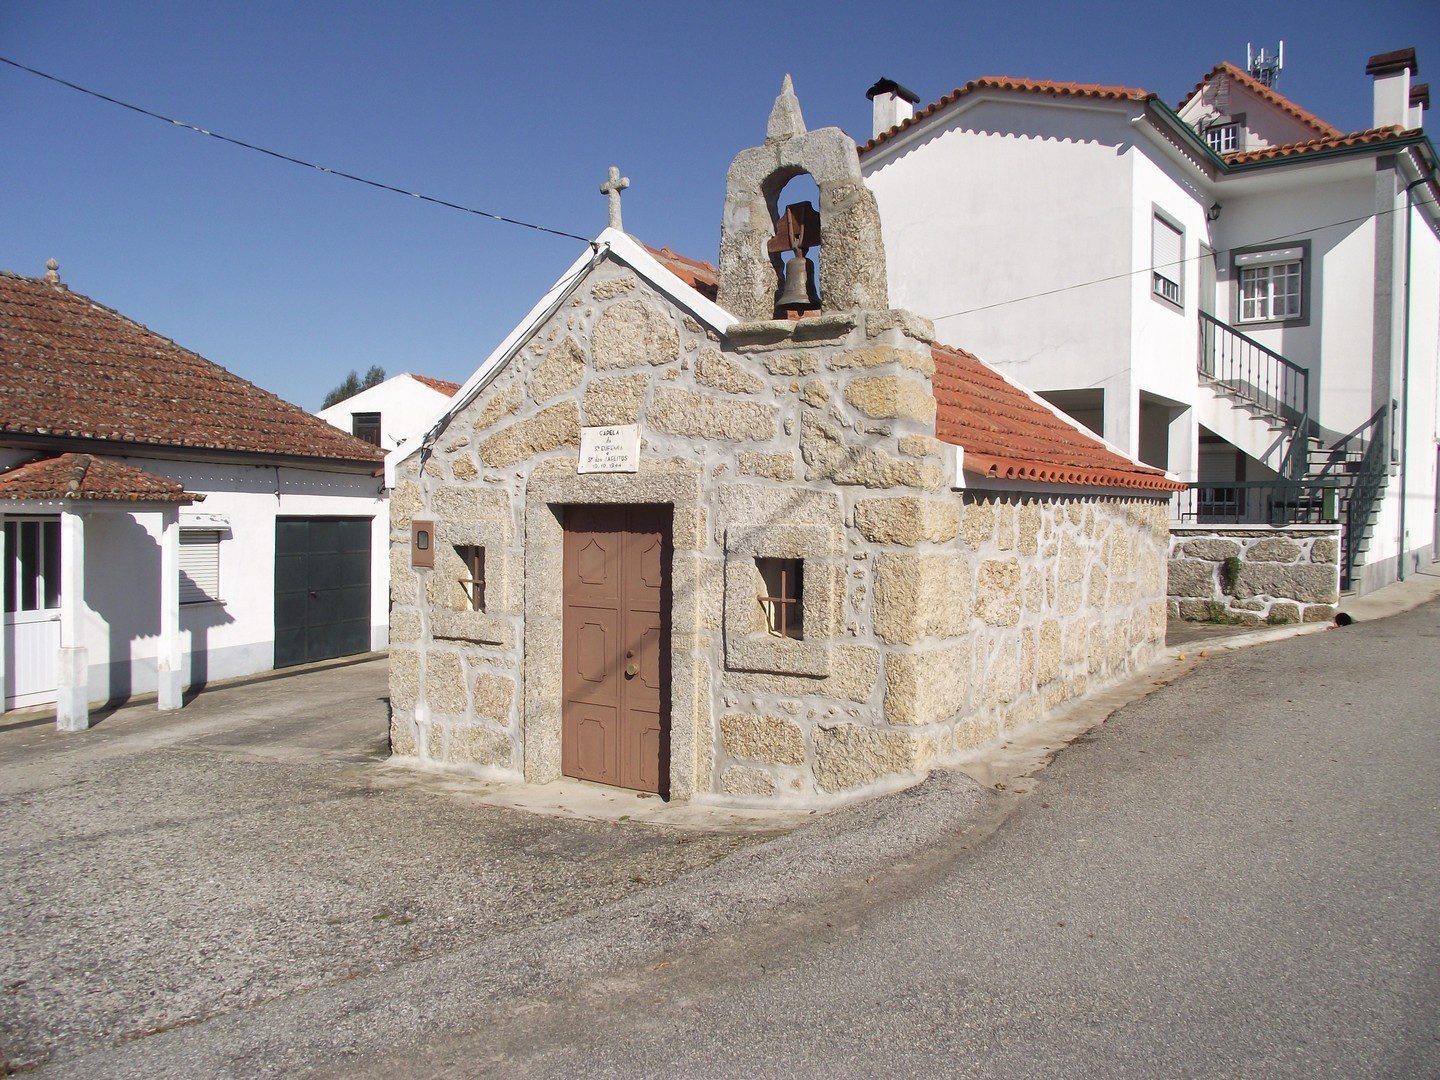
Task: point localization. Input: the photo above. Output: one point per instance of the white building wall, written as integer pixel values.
(407, 409)
(1337, 342)
(974, 215)
(235, 636)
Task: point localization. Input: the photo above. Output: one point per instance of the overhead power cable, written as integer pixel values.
(1179, 262)
(295, 160)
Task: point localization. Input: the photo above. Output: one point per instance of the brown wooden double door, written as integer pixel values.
(615, 713)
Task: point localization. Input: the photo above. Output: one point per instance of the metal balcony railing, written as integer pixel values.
(1255, 374)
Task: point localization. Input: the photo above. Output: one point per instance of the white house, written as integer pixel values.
(165, 522)
(1233, 289)
(394, 413)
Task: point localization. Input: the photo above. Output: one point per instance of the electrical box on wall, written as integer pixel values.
(422, 543)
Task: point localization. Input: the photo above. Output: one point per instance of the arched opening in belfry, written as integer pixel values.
(793, 199)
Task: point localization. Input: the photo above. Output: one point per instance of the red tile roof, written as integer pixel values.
(84, 476)
(1009, 434)
(703, 277)
(445, 386)
(1028, 86)
(1255, 86)
(71, 368)
(1330, 142)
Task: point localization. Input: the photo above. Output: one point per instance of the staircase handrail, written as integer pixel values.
(1296, 404)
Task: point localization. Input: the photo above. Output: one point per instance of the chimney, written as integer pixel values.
(1419, 102)
(1391, 72)
(893, 104)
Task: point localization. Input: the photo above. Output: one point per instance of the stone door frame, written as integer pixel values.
(547, 495)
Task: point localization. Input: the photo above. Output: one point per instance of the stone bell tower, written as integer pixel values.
(853, 253)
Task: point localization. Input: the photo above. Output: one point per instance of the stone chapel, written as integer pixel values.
(752, 536)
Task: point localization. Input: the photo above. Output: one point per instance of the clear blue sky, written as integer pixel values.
(291, 278)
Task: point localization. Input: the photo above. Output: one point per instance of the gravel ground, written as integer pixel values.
(164, 869)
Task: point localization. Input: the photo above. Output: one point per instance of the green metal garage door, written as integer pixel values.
(322, 588)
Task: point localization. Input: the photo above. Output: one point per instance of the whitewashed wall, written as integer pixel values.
(407, 408)
(235, 636)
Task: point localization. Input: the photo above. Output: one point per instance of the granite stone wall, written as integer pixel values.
(934, 621)
(1252, 575)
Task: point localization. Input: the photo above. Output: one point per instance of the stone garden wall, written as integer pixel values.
(1253, 576)
(934, 622)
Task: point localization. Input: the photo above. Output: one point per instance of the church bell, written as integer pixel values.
(798, 291)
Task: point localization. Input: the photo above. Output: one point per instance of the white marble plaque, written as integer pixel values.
(610, 449)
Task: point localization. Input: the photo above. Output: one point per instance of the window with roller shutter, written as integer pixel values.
(1167, 253)
(199, 566)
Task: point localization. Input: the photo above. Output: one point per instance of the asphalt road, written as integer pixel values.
(1235, 876)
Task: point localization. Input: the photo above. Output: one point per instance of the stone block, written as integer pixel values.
(608, 290)
(404, 678)
(614, 400)
(406, 500)
(404, 626)
(828, 456)
(1097, 590)
(892, 397)
(492, 697)
(873, 356)
(854, 671)
(1325, 550)
(920, 446)
(474, 744)
(850, 756)
(715, 371)
(549, 429)
(402, 736)
(790, 364)
(1282, 613)
(1047, 664)
(977, 523)
(559, 371)
(908, 520)
(926, 687)
(1273, 549)
(462, 467)
(1189, 577)
(631, 333)
(444, 683)
(739, 780)
(919, 596)
(772, 466)
(1002, 673)
(997, 592)
(471, 503)
(705, 416)
(756, 737)
(814, 394)
(1211, 549)
(496, 403)
(1030, 519)
(1319, 613)
(1309, 583)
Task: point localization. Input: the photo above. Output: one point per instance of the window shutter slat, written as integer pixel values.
(199, 565)
(1165, 249)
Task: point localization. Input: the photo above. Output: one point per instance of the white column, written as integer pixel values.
(171, 678)
(72, 702)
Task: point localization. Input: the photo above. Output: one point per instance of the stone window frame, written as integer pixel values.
(488, 627)
(748, 645)
(546, 497)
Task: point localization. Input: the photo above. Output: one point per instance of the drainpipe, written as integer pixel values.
(1405, 368)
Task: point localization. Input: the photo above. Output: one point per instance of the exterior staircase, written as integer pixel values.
(1263, 407)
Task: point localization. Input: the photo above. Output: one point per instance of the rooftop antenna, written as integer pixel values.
(1263, 67)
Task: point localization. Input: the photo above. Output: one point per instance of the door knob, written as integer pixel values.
(631, 670)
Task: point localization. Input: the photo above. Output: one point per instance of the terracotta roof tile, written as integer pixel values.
(1255, 86)
(1028, 86)
(1330, 142)
(91, 478)
(71, 368)
(1010, 434)
(703, 277)
(445, 386)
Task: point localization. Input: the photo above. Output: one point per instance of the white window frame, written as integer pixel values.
(1223, 138)
(199, 546)
(1167, 270)
(1271, 285)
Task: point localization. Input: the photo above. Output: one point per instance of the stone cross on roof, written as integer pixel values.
(612, 188)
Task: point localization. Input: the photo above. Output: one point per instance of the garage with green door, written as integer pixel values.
(322, 588)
